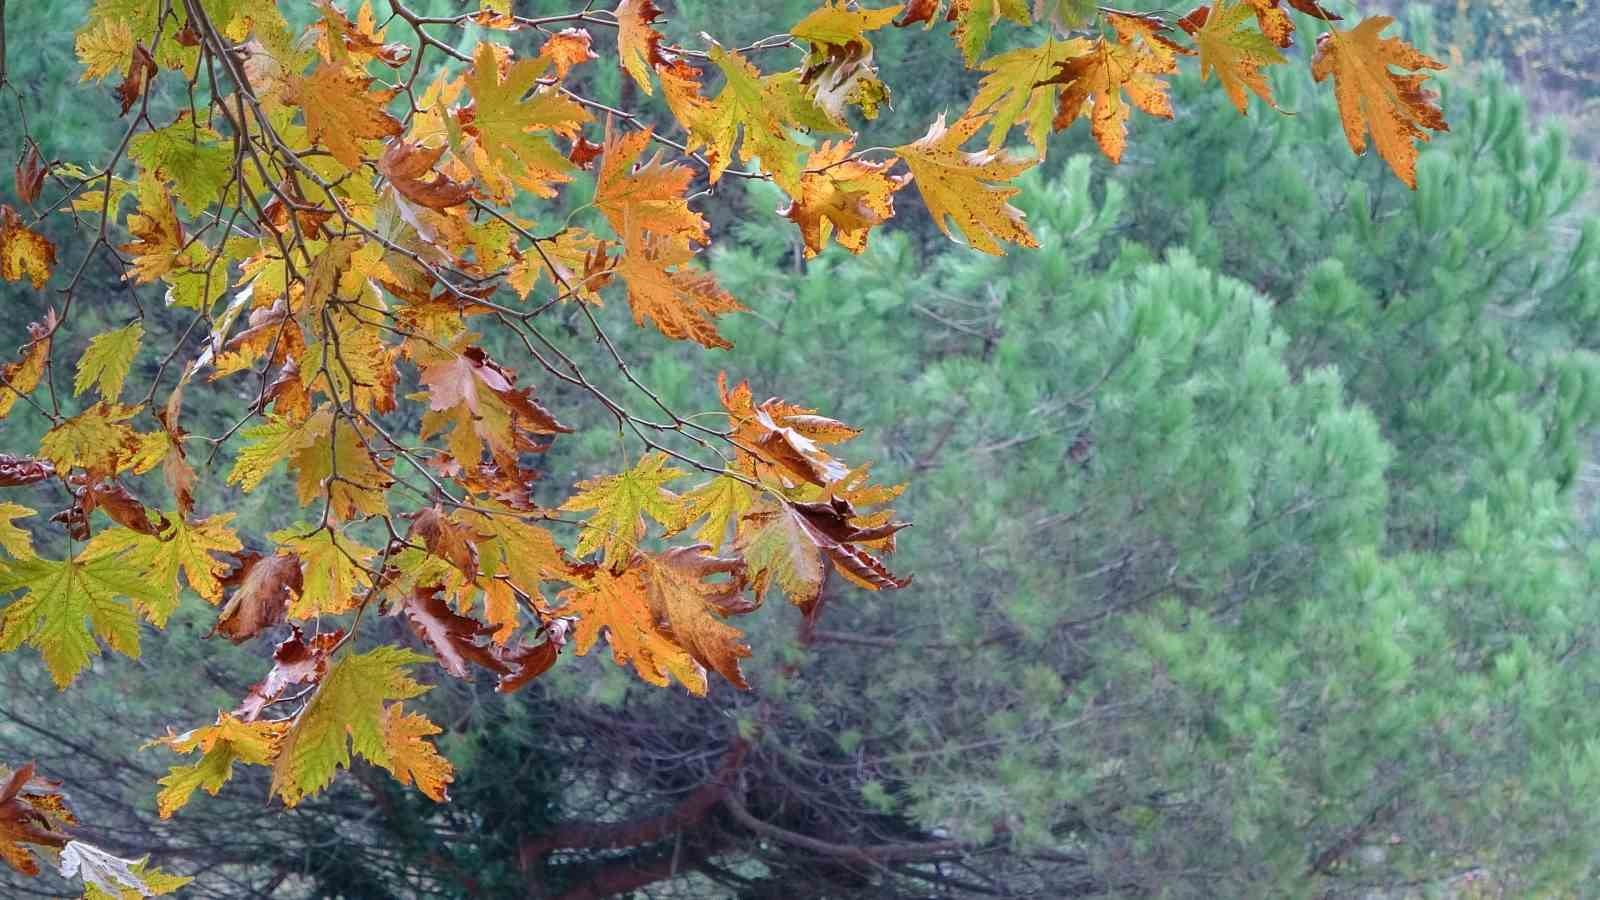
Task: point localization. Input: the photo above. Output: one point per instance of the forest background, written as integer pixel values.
(1256, 547)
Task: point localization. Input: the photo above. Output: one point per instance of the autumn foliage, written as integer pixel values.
(337, 215)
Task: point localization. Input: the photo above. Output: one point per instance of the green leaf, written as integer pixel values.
(345, 714)
(107, 360)
(69, 603)
(197, 161)
(620, 503)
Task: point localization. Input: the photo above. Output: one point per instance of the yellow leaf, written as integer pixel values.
(228, 741)
(638, 44)
(1012, 91)
(273, 442)
(23, 253)
(620, 504)
(185, 546)
(347, 713)
(19, 378)
(842, 197)
(338, 465)
(107, 359)
(722, 501)
(957, 185)
(342, 111)
(1236, 53)
(158, 246)
(334, 569)
(1395, 108)
(15, 541)
(508, 128)
(746, 110)
(97, 440)
(104, 48)
(410, 758)
(68, 604)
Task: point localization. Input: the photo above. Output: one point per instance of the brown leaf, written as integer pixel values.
(110, 497)
(453, 638)
(530, 660)
(263, 588)
(406, 165)
(447, 539)
(31, 169)
(141, 69)
(16, 471)
(294, 661)
(32, 811)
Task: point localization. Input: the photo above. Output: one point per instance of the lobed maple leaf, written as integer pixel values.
(787, 544)
(195, 159)
(638, 44)
(334, 568)
(410, 758)
(157, 558)
(782, 435)
(107, 359)
(97, 440)
(647, 197)
(568, 48)
(1016, 89)
(617, 606)
(342, 111)
(620, 504)
(68, 604)
(1394, 108)
(346, 714)
(508, 127)
(273, 442)
(19, 378)
(722, 502)
(228, 741)
(959, 186)
(1094, 83)
(1236, 53)
(688, 605)
(24, 253)
(842, 197)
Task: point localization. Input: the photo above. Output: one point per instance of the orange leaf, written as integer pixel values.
(1395, 108)
(1093, 84)
(617, 606)
(567, 48)
(405, 165)
(842, 197)
(342, 111)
